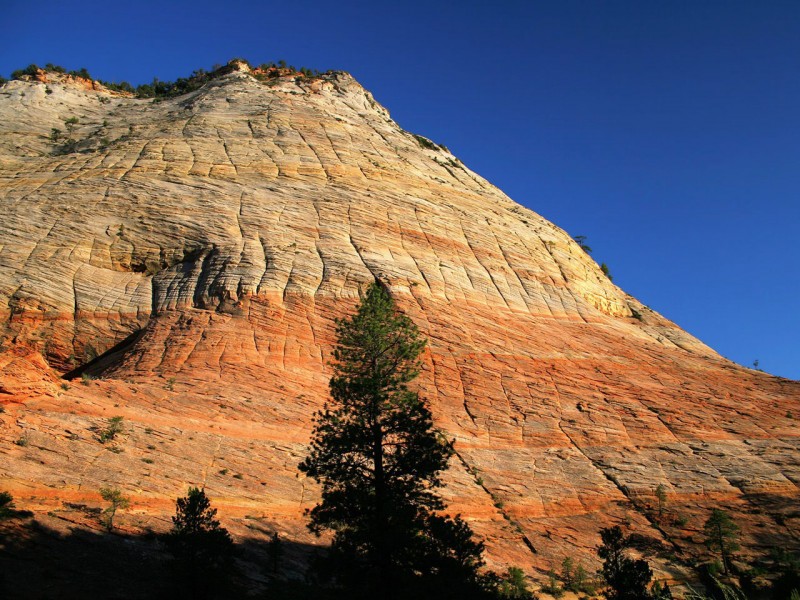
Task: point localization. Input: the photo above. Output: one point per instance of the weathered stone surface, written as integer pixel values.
(210, 240)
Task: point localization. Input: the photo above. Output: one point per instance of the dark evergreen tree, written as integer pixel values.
(202, 548)
(627, 578)
(513, 586)
(661, 498)
(6, 506)
(378, 458)
(606, 271)
(787, 564)
(721, 533)
(275, 552)
(581, 240)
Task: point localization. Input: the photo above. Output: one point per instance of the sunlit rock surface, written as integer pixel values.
(208, 242)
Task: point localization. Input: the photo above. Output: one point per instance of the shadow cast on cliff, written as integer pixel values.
(38, 562)
(108, 359)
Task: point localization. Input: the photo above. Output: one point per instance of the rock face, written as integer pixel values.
(202, 247)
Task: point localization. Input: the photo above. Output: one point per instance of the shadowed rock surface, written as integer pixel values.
(192, 254)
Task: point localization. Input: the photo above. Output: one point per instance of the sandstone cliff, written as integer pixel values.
(201, 246)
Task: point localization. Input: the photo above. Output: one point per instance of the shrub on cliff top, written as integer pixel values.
(82, 72)
(164, 89)
(32, 69)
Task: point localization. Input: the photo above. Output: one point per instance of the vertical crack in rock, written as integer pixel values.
(506, 516)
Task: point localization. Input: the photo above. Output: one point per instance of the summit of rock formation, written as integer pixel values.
(180, 263)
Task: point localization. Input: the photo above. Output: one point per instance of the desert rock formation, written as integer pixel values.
(202, 246)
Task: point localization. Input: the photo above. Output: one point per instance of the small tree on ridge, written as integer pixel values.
(116, 500)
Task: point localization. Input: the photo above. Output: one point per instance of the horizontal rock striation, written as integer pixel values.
(193, 253)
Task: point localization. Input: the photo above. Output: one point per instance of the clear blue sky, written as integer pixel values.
(667, 132)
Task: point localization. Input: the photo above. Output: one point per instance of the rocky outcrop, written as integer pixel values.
(188, 258)
(70, 80)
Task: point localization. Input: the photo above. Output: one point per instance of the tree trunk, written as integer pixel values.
(382, 561)
(721, 542)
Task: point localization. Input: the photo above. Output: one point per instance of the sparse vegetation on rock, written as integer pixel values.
(575, 577)
(158, 89)
(114, 427)
(606, 271)
(428, 144)
(117, 500)
(31, 69)
(513, 586)
(581, 240)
